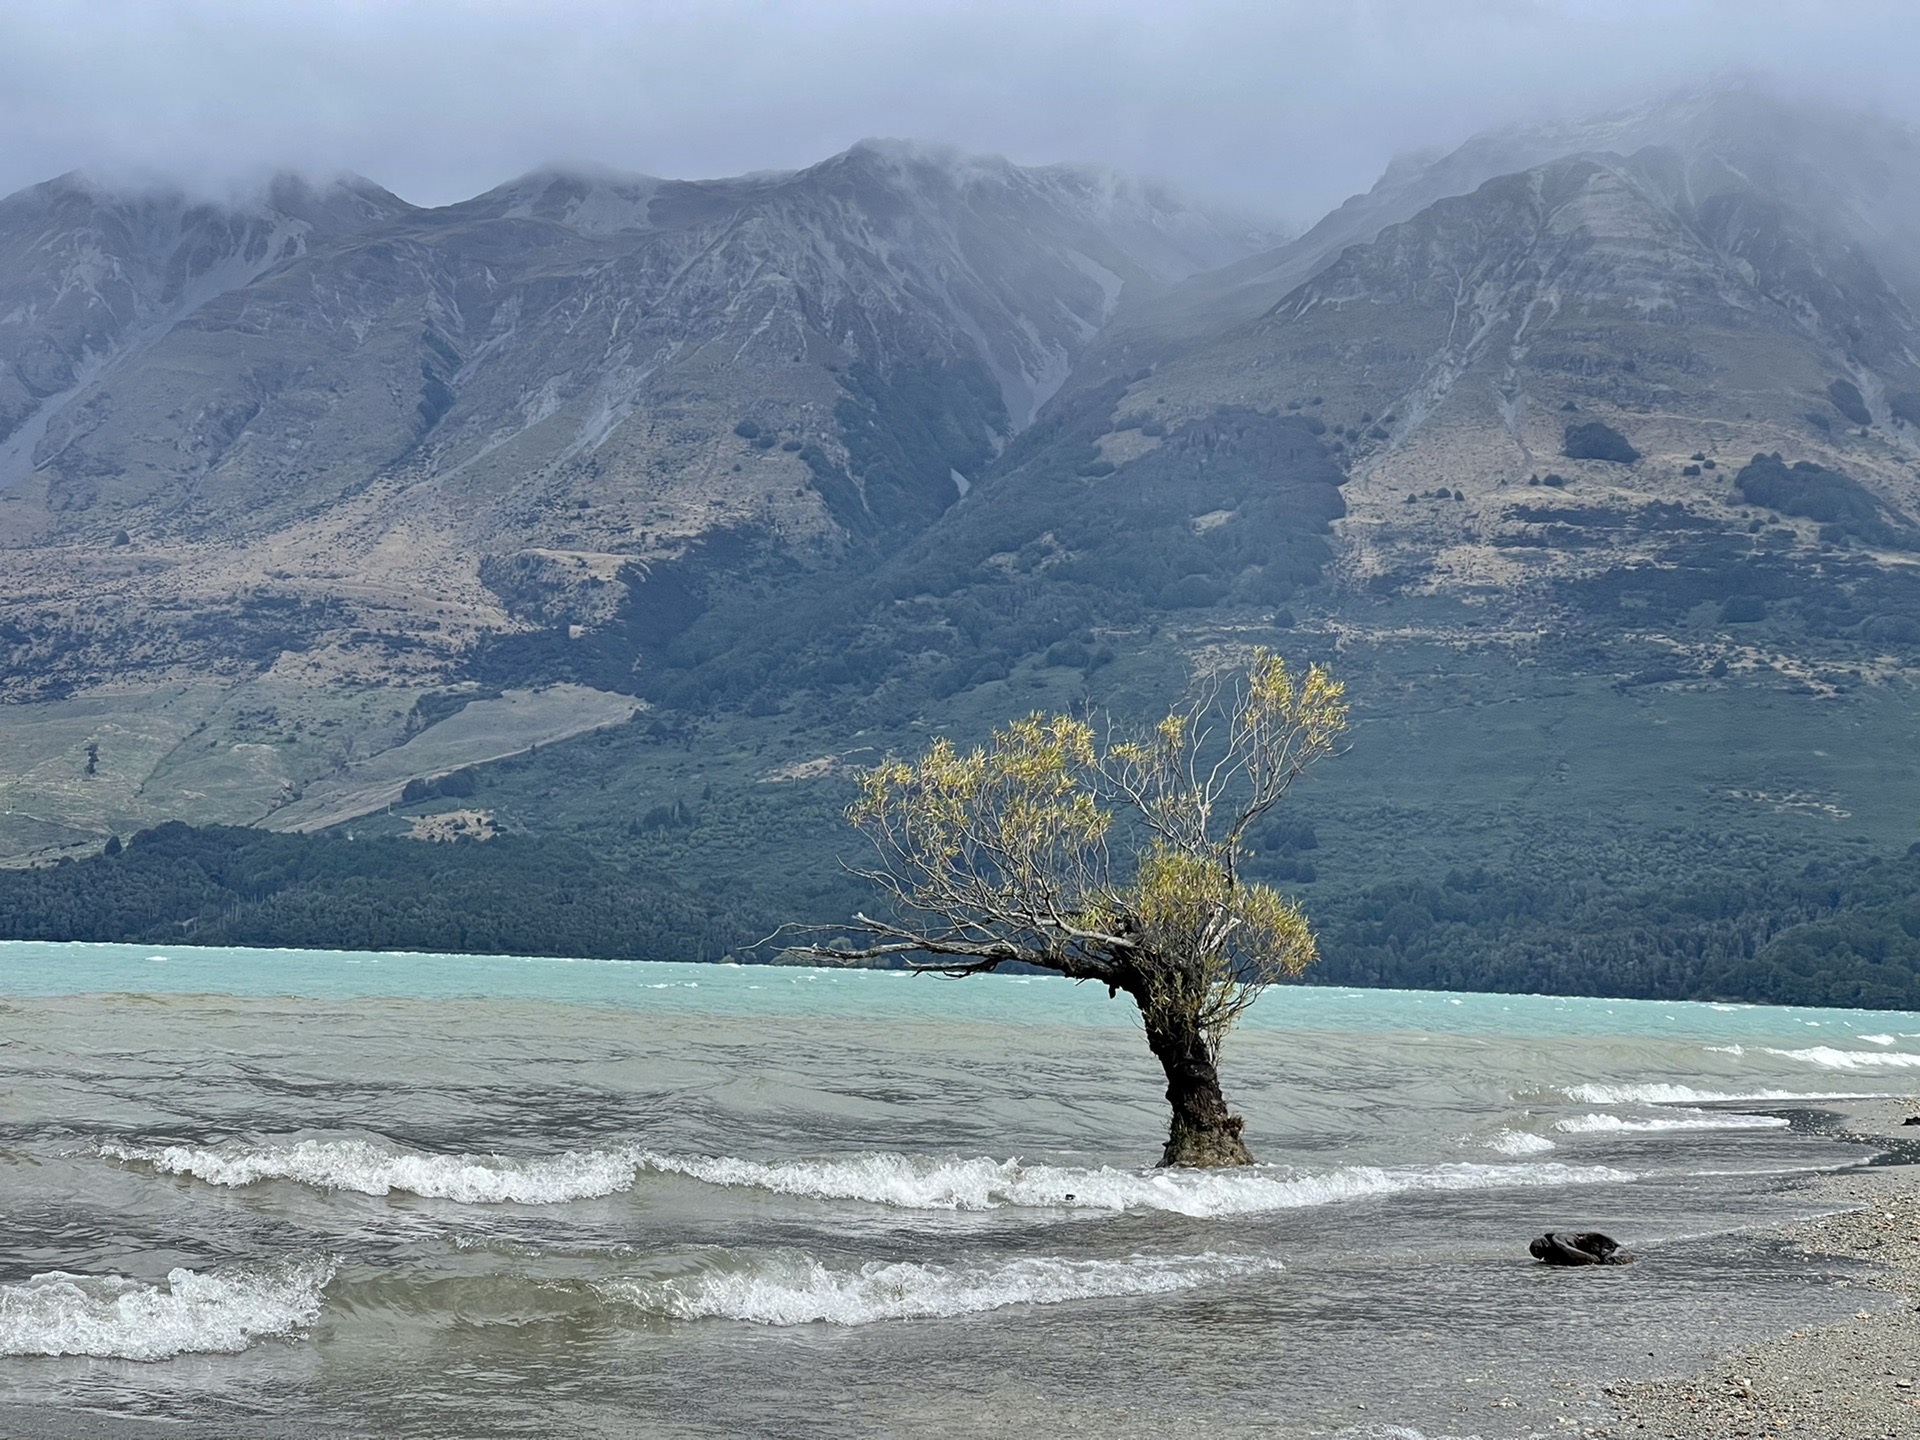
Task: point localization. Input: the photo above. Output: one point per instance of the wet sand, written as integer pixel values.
(1858, 1380)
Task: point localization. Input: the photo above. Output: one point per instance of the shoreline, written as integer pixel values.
(1857, 1380)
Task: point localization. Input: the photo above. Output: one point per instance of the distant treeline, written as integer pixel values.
(1832, 934)
(219, 885)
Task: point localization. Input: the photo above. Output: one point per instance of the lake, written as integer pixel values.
(278, 1192)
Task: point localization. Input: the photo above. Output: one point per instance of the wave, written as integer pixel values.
(191, 1312)
(378, 1169)
(1519, 1142)
(1661, 1094)
(1829, 1058)
(916, 1183)
(1696, 1120)
(796, 1289)
(878, 1178)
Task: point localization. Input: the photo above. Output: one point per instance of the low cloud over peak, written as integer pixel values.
(1284, 107)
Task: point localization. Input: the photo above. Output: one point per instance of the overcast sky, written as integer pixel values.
(1288, 105)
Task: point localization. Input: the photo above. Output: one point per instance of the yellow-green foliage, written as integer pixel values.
(1222, 940)
(1008, 828)
(1009, 846)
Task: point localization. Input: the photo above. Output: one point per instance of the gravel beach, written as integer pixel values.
(1858, 1380)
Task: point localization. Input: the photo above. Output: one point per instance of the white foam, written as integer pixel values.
(379, 1169)
(192, 1312)
(1661, 1094)
(1875, 1039)
(1695, 1120)
(1520, 1142)
(796, 1289)
(1827, 1057)
(917, 1183)
(880, 1178)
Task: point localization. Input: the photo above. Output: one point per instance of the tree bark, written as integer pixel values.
(1204, 1134)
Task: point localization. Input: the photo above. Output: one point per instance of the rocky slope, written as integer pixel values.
(90, 279)
(1558, 379)
(1855, 173)
(566, 374)
(323, 438)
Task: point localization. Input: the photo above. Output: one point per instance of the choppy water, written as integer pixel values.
(278, 1193)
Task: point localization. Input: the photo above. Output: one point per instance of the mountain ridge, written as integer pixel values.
(1595, 476)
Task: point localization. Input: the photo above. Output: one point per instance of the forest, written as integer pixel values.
(1831, 933)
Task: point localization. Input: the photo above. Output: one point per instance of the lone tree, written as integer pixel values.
(1112, 858)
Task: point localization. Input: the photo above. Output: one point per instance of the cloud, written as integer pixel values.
(1284, 104)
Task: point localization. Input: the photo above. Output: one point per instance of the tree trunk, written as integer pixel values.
(1204, 1133)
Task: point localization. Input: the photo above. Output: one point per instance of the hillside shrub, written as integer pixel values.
(1597, 440)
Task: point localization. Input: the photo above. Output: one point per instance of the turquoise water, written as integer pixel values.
(262, 1193)
(34, 968)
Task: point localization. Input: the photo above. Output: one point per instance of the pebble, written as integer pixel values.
(1850, 1381)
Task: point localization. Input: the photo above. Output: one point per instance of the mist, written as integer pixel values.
(1283, 107)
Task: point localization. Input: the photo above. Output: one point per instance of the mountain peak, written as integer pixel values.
(339, 203)
(594, 200)
(344, 203)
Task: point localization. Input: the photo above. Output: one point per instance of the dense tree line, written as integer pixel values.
(1831, 933)
(220, 885)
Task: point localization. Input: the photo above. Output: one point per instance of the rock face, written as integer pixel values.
(574, 371)
(220, 371)
(1736, 277)
(89, 279)
(1855, 175)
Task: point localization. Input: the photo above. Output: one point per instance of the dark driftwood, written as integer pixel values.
(1587, 1248)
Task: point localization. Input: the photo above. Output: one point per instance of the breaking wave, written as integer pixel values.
(878, 1178)
(1519, 1142)
(796, 1289)
(1693, 1120)
(982, 1184)
(191, 1312)
(1661, 1094)
(379, 1169)
(1831, 1059)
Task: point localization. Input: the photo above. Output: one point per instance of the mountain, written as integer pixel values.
(90, 278)
(294, 352)
(1598, 482)
(1854, 172)
(1586, 453)
(1543, 400)
(1664, 302)
(324, 443)
(565, 375)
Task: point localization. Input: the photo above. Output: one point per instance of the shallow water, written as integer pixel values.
(281, 1192)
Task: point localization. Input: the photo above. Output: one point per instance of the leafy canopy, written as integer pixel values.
(1107, 857)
